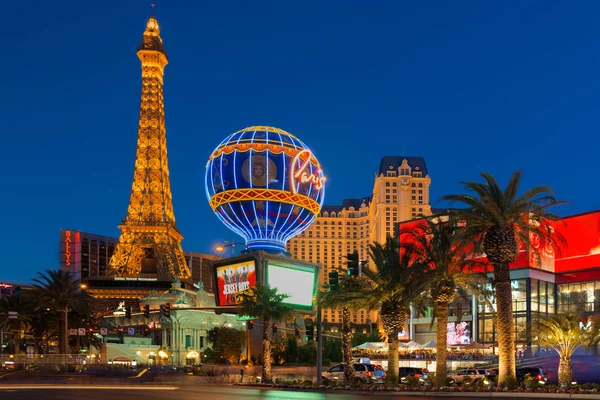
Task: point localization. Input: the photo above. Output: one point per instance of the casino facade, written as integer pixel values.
(565, 280)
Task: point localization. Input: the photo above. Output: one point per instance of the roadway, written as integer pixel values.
(202, 391)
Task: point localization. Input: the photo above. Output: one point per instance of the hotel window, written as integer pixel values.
(420, 184)
(420, 192)
(414, 197)
(414, 192)
(418, 174)
(414, 185)
(387, 184)
(391, 173)
(394, 184)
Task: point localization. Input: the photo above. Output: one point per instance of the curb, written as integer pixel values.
(498, 395)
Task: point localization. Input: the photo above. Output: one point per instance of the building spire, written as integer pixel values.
(151, 39)
(150, 243)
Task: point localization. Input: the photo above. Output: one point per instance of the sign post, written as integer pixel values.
(319, 345)
(13, 315)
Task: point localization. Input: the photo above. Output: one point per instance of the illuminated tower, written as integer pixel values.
(150, 242)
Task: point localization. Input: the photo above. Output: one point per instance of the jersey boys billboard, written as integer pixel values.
(296, 279)
(235, 278)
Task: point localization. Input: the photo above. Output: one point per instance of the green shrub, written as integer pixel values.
(510, 383)
(412, 381)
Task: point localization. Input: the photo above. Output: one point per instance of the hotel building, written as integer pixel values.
(86, 255)
(400, 193)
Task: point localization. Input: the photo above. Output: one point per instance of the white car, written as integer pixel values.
(363, 373)
(472, 373)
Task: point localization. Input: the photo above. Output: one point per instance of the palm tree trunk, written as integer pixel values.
(347, 346)
(266, 351)
(505, 326)
(565, 375)
(441, 371)
(63, 332)
(393, 359)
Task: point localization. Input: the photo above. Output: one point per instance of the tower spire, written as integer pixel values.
(149, 241)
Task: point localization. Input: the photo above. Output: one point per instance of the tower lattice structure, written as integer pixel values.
(149, 241)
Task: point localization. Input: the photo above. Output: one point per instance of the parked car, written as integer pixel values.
(363, 373)
(472, 373)
(537, 373)
(420, 373)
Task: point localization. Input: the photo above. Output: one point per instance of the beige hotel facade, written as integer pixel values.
(400, 193)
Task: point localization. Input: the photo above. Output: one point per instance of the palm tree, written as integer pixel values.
(263, 302)
(393, 286)
(450, 273)
(565, 333)
(59, 291)
(350, 294)
(498, 220)
(20, 304)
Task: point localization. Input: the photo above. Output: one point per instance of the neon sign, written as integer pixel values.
(68, 248)
(71, 239)
(303, 174)
(5, 286)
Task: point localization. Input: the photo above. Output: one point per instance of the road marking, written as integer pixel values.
(85, 387)
(17, 372)
(142, 372)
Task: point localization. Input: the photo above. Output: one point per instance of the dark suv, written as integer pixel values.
(420, 373)
(536, 373)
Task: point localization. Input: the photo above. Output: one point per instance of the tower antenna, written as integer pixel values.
(152, 10)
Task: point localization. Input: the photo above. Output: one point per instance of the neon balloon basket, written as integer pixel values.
(266, 185)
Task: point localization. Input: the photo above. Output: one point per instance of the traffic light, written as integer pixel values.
(146, 331)
(275, 328)
(297, 332)
(250, 325)
(167, 310)
(128, 312)
(91, 331)
(147, 311)
(334, 281)
(353, 263)
(310, 332)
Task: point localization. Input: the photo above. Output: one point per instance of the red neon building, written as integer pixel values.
(561, 280)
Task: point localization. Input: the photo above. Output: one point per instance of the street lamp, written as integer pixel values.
(221, 248)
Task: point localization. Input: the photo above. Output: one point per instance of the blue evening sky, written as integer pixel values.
(469, 85)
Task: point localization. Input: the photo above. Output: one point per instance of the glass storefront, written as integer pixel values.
(579, 297)
(533, 300)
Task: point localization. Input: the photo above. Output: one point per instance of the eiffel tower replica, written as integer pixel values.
(150, 243)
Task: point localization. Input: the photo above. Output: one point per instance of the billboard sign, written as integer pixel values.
(234, 278)
(582, 249)
(459, 333)
(296, 280)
